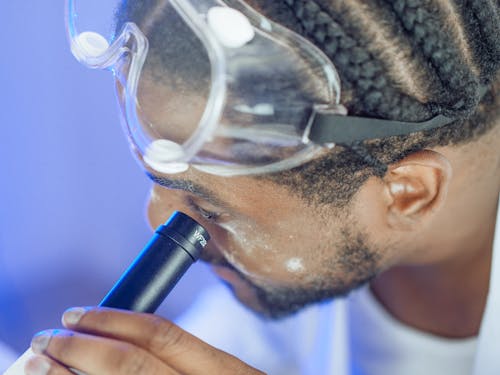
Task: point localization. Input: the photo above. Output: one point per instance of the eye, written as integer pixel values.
(206, 214)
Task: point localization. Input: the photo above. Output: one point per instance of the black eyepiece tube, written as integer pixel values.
(175, 246)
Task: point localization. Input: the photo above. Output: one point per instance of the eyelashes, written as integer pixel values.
(205, 214)
(209, 215)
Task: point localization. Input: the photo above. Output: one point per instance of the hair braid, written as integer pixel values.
(360, 71)
(450, 81)
(460, 87)
(482, 22)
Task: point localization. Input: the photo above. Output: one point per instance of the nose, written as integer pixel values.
(161, 204)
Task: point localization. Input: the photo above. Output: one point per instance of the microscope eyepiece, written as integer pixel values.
(175, 246)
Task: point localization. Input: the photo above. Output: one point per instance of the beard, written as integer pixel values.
(356, 262)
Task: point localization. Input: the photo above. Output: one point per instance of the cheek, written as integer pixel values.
(268, 255)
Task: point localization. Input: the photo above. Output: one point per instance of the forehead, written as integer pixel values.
(249, 195)
(169, 111)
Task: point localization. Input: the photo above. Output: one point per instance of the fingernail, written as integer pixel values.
(37, 366)
(72, 316)
(41, 341)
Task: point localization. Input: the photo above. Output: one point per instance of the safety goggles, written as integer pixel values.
(215, 85)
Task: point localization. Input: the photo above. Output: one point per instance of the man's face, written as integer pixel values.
(275, 251)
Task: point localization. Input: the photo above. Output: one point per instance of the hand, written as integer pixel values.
(105, 341)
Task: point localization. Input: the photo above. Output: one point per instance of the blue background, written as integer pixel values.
(72, 198)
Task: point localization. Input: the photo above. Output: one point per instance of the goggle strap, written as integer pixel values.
(332, 127)
(340, 129)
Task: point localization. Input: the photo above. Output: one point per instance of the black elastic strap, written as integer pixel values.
(331, 127)
(334, 128)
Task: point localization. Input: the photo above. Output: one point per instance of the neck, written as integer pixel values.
(446, 299)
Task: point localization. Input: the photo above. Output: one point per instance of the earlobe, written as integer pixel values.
(417, 186)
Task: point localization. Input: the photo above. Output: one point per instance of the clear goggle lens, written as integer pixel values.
(211, 84)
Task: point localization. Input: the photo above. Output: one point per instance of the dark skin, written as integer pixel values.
(430, 220)
(447, 296)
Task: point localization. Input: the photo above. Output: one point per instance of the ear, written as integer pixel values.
(417, 187)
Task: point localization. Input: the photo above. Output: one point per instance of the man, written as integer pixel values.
(410, 209)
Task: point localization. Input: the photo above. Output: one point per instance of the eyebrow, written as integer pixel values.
(190, 187)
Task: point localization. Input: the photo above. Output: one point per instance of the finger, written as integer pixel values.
(97, 355)
(181, 350)
(39, 364)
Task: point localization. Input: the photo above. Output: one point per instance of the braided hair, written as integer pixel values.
(407, 60)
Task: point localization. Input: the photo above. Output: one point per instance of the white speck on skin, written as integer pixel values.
(294, 265)
(153, 196)
(244, 235)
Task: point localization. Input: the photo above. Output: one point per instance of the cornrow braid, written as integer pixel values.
(420, 20)
(481, 20)
(452, 84)
(359, 70)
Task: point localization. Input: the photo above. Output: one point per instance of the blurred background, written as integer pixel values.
(72, 198)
